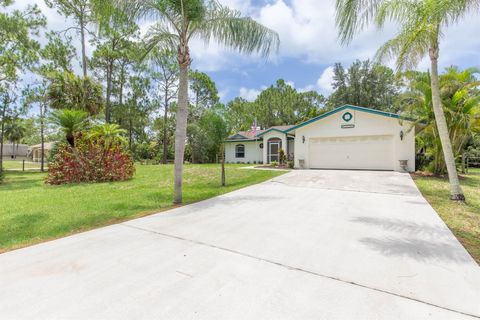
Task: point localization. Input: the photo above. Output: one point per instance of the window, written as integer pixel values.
(239, 151)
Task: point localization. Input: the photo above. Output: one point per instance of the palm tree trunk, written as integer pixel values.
(42, 137)
(165, 131)
(181, 117)
(456, 190)
(2, 134)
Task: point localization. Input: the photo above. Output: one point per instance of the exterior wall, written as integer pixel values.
(366, 124)
(253, 153)
(269, 135)
(21, 152)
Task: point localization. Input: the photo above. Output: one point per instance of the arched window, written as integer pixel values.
(239, 151)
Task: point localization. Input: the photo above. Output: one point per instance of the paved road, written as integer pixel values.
(306, 245)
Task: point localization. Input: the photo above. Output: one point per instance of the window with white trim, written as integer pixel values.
(240, 151)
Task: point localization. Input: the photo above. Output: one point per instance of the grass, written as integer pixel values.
(462, 218)
(32, 212)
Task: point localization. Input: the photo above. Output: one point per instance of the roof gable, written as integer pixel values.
(347, 106)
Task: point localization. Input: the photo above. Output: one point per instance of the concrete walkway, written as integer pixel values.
(306, 245)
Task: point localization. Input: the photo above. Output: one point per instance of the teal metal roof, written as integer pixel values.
(347, 106)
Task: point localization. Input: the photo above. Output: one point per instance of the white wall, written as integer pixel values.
(269, 135)
(366, 124)
(253, 153)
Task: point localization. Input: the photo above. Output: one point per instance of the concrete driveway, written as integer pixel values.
(306, 245)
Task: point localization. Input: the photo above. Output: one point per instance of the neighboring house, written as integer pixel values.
(12, 151)
(347, 137)
(35, 151)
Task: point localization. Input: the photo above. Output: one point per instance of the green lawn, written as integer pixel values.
(32, 212)
(462, 219)
(17, 165)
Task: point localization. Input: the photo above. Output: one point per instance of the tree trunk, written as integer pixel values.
(222, 154)
(181, 116)
(165, 131)
(2, 133)
(109, 91)
(456, 191)
(42, 137)
(82, 39)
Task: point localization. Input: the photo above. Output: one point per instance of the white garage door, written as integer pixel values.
(366, 152)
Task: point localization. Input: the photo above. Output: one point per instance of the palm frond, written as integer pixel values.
(230, 29)
(353, 16)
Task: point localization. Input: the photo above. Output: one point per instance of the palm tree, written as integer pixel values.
(14, 132)
(422, 23)
(70, 121)
(461, 106)
(110, 132)
(180, 21)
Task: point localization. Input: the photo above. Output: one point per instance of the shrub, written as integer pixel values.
(2, 175)
(290, 164)
(282, 157)
(91, 160)
(274, 163)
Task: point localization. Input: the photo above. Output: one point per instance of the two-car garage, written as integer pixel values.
(354, 152)
(355, 138)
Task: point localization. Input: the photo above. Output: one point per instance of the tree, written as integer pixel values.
(70, 121)
(18, 50)
(421, 27)
(365, 84)
(165, 75)
(110, 132)
(461, 105)
(204, 90)
(8, 98)
(14, 132)
(179, 21)
(82, 12)
(114, 42)
(68, 91)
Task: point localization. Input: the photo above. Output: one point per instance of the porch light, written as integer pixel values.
(401, 135)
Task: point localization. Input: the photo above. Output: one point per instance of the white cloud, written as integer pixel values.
(324, 83)
(248, 94)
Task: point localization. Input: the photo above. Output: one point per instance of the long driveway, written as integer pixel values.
(305, 245)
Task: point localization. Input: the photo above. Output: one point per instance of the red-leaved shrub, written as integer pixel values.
(91, 160)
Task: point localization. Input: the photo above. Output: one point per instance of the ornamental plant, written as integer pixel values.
(92, 159)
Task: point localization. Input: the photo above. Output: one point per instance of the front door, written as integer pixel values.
(273, 154)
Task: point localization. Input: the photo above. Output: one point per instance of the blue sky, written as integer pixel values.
(309, 47)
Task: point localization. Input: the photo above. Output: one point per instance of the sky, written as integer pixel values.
(308, 47)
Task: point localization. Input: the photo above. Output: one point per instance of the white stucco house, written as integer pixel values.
(348, 137)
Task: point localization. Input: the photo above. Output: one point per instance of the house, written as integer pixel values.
(13, 151)
(35, 151)
(348, 137)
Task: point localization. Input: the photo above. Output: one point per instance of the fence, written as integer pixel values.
(469, 162)
(22, 165)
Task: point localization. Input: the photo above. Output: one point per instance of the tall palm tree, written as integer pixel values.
(180, 21)
(70, 121)
(421, 23)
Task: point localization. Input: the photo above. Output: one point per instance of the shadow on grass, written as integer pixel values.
(20, 227)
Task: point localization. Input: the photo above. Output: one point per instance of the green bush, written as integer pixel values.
(290, 164)
(274, 164)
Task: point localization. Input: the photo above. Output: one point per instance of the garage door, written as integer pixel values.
(366, 152)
